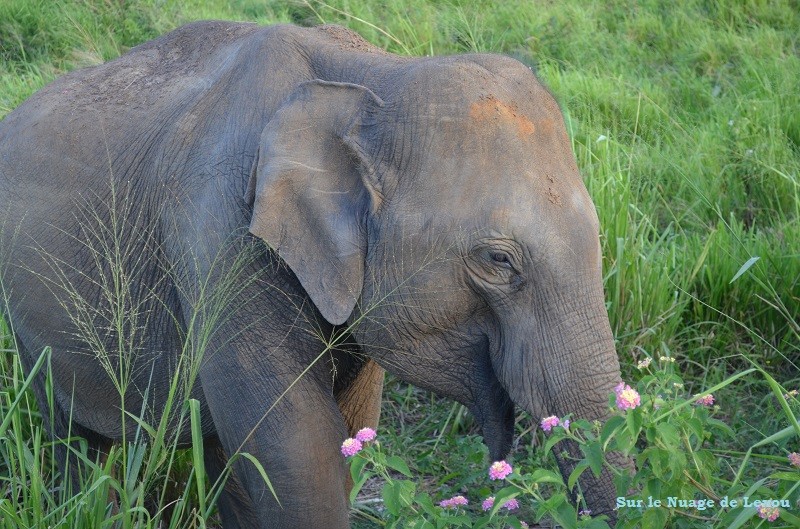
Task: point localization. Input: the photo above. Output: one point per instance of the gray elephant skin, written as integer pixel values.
(294, 209)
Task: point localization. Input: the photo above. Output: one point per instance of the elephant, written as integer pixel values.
(290, 211)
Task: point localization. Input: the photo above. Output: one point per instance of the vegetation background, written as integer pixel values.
(685, 120)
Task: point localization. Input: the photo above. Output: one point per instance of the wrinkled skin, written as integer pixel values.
(427, 213)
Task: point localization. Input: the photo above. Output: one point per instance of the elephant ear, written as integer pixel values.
(311, 189)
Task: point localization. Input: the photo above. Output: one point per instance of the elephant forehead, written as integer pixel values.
(520, 216)
(495, 147)
(491, 112)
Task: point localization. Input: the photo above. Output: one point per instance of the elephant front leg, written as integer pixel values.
(234, 505)
(295, 435)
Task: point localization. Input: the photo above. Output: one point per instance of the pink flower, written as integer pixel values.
(627, 397)
(794, 458)
(705, 400)
(511, 504)
(366, 435)
(549, 422)
(585, 512)
(768, 513)
(499, 470)
(351, 447)
(488, 503)
(453, 502)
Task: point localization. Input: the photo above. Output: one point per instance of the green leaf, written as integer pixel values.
(743, 517)
(541, 475)
(397, 495)
(260, 468)
(594, 456)
(622, 482)
(357, 464)
(658, 459)
(554, 438)
(655, 518)
(696, 427)
(397, 463)
(791, 518)
(610, 428)
(22, 391)
(425, 503)
(786, 476)
(676, 463)
(595, 523)
(560, 510)
(634, 420)
(668, 435)
(576, 473)
(197, 454)
(566, 515)
(623, 441)
(502, 497)
(358, 474)
(716, 423)
(358, 482)
(745, 267)
(652, 488)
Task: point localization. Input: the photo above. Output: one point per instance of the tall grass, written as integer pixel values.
(685, 120)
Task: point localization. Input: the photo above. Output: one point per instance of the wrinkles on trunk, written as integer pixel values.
(567, 365)
(580, 382)
(598, 492)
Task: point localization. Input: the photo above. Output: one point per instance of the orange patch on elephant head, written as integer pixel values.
(491, 109)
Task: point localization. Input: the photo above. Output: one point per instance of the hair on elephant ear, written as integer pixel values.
(312, 187)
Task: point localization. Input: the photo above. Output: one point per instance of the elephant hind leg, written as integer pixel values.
(360, 403)
(235, 506)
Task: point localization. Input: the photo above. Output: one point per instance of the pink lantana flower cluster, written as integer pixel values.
(794, 459)
(488, 503)
(366, 435)
(548, 423)
(499, 470)
(705, 400)
(768, 513)
(453, 503)
(353, 445)
(627, 397)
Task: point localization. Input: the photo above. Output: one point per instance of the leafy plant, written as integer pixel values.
(678, 482)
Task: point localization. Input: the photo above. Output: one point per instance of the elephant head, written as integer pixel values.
(440, 213)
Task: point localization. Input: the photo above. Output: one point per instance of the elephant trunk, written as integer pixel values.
(570, 367)
(580, 385)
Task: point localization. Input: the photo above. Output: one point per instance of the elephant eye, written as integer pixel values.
(500, 258)
(496, 261)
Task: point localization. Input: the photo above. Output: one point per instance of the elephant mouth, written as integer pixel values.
(494, 410)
